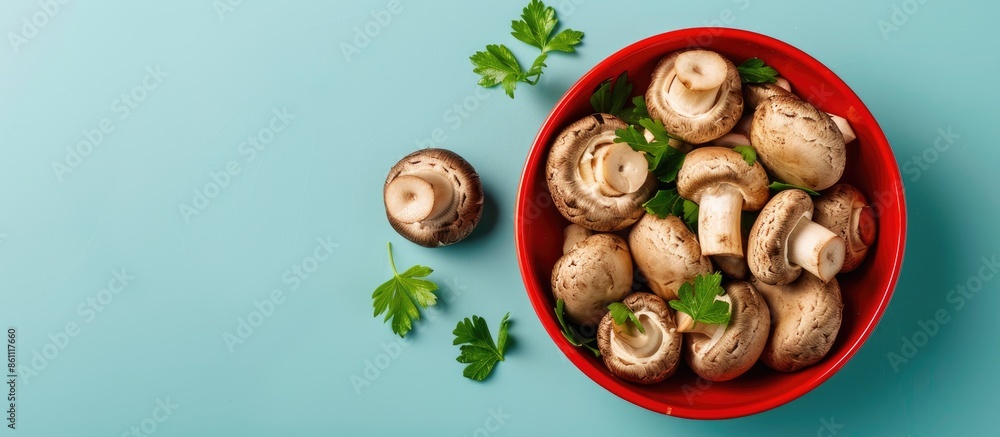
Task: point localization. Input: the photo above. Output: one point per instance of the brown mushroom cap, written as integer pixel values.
(667, 254)
(798, 143)
(706, 168)
(594, 273)
(732, 350)
(574, 189)
(845, 211)
(457, 197)
(643, 358)
(805, 320)
(756, 93)
(702, 127)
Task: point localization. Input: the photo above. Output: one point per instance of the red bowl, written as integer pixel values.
(866, 291)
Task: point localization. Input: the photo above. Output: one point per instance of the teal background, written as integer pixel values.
(163, 337)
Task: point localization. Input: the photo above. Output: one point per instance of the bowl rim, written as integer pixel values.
(536, 157)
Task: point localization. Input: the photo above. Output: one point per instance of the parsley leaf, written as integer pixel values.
(781, 186)
(571, 336)
(478, 349)
(690, 217)
(748, 152)
(498, 66)
(612, 100)
(636, 112)
(664, 160)
(754, 71)
(399, 296)
(622, 313)
(698, 300)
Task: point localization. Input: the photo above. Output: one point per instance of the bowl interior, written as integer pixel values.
(866, 291)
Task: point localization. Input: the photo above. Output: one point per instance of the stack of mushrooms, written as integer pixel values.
(773, 252)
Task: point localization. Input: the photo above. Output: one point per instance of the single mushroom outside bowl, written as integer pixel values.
(866, 291)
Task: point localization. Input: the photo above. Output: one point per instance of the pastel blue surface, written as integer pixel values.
(199, 78)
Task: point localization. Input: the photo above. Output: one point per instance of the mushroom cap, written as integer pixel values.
(798, 143)
(767, 245)
(844, 210)
(667, 254)
(644, 365)
(756, 93)
(594, 273)
(701, 128)
(461, 217)
(577, 194)
(707, 167)
(732, 351)
(805, 318)
(734, 266)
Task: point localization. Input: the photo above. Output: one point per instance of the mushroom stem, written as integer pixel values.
(573, 234)
(642, 345)
(687, 325)
(863, 226)
(418, 196)
(620, 169)
(845, 128)
(816, 249)
(719, 221)
(690, 102)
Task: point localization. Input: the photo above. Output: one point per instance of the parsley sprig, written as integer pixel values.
(622, 314)
(698, 300)
(754, 71)
(498, 65)
(478, 349)
(781, 186)
(399, 297)
(571, 335)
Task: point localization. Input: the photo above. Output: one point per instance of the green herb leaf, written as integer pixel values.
(498, 66)
(612, 99)
(691, 215)
(478, 350)
(748, 152)
(754, 71)
(636, 112)
(571, 336)
(400, 296)
(781, 186)
(622, 313)
(665, 203)
(698, 300)
(664, 160)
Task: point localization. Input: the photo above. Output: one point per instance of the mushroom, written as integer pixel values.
(696, 94)
(723, 352)
(805, 319)
(845, 212)
(573, 234)
(784, 240)
(722, 184)
(644, 357)
(756, 93)
(433, 197)
(845, 128)
(595, 182)
(594, 273)
(798, 143)
(667, 254)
